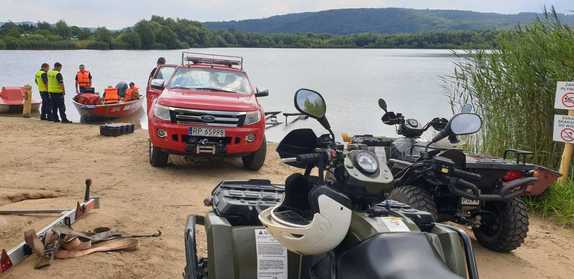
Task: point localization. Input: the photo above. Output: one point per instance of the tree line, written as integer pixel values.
(168, 33)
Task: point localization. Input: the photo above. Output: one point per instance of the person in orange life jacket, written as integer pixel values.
(83, 80)
(111, 95)
(132, 93)
(57, 92)
(41, 80)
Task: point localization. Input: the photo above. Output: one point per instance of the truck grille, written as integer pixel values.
(206, 117)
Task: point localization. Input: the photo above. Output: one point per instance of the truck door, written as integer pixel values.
(164, 73)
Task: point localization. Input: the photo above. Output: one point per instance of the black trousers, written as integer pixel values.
(46, 111)
(59, 106)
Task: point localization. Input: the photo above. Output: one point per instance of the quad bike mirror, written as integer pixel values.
(460, 124)
(465, 124)
(383, 104)
(310, 103)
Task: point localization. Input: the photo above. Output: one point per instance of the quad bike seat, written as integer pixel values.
(394, 256)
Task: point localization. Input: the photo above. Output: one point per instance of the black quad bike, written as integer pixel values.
(485, 193)
(385, 239)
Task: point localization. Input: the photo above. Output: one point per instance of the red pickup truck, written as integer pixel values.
(205, 107)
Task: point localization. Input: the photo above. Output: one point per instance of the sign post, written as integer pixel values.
(564, 125)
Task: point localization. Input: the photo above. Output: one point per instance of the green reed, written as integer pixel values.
(513, 86)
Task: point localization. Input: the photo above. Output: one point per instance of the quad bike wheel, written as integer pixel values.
(416, 197)
(505, 230)
(157, 157)
(254, 161)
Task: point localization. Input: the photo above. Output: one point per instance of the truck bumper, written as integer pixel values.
(176, 139)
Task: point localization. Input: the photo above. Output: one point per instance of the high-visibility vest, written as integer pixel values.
(54, 86)
(42, 87)
(131, 94)
(111, 95)
(83, 79)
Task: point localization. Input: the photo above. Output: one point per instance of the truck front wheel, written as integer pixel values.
(254, 161)
(157, 158)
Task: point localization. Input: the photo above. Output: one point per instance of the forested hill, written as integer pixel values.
(384, 20)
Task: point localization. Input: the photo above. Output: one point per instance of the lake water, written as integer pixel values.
(351, 80)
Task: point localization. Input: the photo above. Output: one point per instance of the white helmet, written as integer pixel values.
(310, 220)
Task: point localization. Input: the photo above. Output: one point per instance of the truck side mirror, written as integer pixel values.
(157, 83)
(262, 93)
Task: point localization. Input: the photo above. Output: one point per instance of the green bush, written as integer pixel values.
(557, 203)
(2, 44)
(513, 86)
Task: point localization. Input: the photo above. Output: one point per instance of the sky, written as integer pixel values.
(122, 13)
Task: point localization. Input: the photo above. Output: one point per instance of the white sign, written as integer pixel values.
(271, 256)
(564, 95)
(563, 128)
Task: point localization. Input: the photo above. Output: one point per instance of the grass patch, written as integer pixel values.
(557, 204)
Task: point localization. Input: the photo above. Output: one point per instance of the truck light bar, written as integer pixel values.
(188, 58)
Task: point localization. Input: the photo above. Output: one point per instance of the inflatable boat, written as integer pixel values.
(91, 108)
(12, 100)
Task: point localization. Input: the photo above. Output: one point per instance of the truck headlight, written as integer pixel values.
(161, 112)
(252, 118)
(366, 162)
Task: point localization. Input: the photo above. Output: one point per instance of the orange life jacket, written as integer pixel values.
(84, 79)
(111, 95)
(131, 94)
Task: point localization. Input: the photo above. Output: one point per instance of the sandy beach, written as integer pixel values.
(44, 165)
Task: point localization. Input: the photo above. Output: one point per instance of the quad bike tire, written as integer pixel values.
(255, 161)
(507, 230)
(416, 197)
(157, 157)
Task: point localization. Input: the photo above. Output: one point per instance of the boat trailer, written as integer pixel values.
(12, 257)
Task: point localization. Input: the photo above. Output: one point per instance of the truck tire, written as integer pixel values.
(157, 158)
(416, 197)
(507, 230)
(254, 161)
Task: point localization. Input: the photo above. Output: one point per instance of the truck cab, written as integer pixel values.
(205, 107)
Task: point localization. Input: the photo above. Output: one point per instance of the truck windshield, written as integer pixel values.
(210, 79)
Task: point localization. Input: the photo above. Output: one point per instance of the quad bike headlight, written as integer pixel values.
(366, 162)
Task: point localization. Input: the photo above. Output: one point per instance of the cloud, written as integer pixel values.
(118, 14)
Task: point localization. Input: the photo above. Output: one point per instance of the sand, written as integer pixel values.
(44, 165)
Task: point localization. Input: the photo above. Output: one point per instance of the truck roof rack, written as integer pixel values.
(189, 58)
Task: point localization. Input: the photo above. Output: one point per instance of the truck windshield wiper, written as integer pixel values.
(214, 89)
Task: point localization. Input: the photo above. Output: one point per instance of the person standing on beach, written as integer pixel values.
(57, 92)
(160, 61)
(41, 79)
(83, 80)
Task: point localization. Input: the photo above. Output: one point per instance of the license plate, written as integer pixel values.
(465, 201)
(207, 132)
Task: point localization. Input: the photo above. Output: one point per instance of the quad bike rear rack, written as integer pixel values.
(509, 190)
(14, 256)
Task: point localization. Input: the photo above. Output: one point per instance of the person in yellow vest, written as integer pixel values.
(83, 80)
(57, 92)
(41, 79)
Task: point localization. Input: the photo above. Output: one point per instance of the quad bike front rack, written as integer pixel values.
(14, 256)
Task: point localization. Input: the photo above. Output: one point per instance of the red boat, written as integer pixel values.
(107, 111)
(12, 100)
